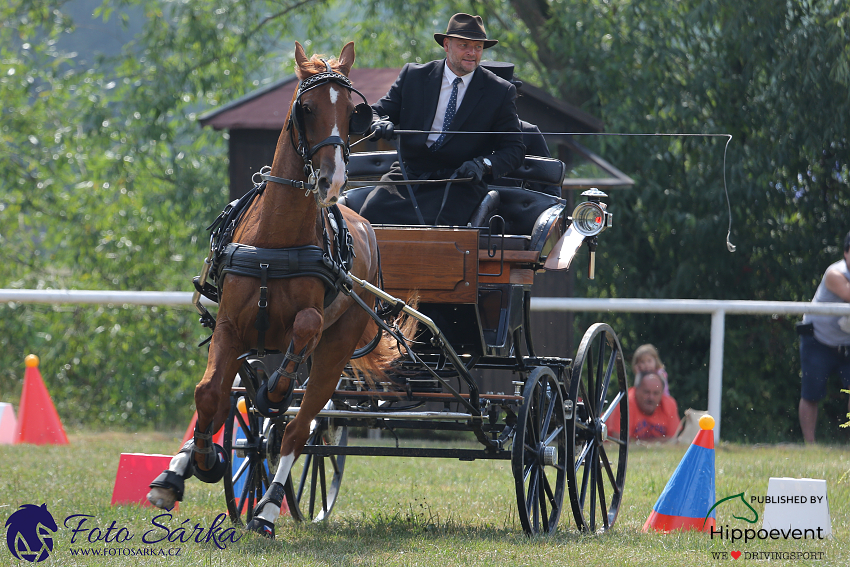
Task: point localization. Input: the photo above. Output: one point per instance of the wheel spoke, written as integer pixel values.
(555, 432)
(246, 429)
(531, 495)
(582, 456)
(547, 419)
(614, 404)
(593, 470)
(323, 486)
(591, 412)
(601, 484)
(588, 388)
(241, 470)
(304, 473)
(527, 469)
(600, 367)
(547, 488)
(542, 501)
(334, 460)
(603, 457)
(585, 476)
(606, 382)
(313, 474)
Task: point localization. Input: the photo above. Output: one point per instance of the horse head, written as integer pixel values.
(322, 116)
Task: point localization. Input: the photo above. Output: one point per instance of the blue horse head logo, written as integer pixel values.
(29, 533)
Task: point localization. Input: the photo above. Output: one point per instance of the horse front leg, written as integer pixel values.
(320, 388)
(273, 399)
(199, 456)
(329, 360)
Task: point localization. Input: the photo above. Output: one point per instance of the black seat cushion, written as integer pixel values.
(536, 169)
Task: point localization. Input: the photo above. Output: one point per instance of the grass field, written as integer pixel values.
(429, 512)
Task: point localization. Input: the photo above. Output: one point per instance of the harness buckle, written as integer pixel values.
(263, 302)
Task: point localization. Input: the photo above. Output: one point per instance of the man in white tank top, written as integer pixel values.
(825, 343)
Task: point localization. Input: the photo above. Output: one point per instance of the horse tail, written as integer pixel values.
(373, 367)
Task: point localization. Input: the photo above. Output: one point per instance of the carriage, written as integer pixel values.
(473, 286)
(471, 310)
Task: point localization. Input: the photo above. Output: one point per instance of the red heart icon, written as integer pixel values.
(735, 554)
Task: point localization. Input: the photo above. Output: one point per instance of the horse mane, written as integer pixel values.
(315, 66)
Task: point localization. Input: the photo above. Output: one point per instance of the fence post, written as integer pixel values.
(715, 368)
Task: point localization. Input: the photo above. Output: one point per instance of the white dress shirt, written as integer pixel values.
(443, 101)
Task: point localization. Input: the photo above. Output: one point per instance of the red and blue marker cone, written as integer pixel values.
(689, 494)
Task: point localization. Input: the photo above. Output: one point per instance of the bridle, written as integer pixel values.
(359, 123)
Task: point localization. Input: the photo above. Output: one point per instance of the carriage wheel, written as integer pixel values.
(596, 473)
(538, 456)
(252, 442)
(313, 485)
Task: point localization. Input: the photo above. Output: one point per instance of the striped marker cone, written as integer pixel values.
(689, 494)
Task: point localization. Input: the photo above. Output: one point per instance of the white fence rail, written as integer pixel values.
(716, 308)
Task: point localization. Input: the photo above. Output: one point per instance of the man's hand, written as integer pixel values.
(473, 168)
(382, 129)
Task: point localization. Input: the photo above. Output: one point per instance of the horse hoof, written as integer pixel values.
(161, 498)
(166, 489)
(216, 473)
(270, 409)
(261, 526)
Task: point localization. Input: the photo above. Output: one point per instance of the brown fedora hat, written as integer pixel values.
(465, 26)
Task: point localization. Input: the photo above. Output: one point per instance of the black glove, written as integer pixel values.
(473, 168)
(382, 129)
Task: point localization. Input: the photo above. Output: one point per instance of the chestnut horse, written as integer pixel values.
(299, 323)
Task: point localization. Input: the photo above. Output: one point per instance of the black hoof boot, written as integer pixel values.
(274, 495)
(271, 409)
(172, 481)
(216, 473)
(261, 526)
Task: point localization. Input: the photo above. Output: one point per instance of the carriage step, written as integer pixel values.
(406, 415)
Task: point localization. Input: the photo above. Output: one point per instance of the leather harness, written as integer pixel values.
(330, 264)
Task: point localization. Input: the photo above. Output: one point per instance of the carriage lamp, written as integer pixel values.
(590, 218)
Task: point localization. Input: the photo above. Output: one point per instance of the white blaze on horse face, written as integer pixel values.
(338, 179)
(339, 167)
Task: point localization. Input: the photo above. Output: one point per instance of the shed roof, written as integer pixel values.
(266, 108)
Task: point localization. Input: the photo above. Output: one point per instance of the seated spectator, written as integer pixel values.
(647, 359)
(653, 415)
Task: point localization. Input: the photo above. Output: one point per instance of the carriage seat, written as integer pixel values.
(519, 207)
(535, 169)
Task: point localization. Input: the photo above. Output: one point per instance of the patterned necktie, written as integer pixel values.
(450, 114)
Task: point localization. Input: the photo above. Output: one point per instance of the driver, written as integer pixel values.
(452, 94)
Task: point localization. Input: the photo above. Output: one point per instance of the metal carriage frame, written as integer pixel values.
(474, 313)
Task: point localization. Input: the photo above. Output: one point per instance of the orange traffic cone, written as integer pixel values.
(689, 494)
(38, 422)
(218, 438)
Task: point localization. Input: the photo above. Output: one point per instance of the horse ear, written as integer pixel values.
(300, 56)
(346, 58)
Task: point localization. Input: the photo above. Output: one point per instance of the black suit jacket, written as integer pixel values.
(489, 105)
